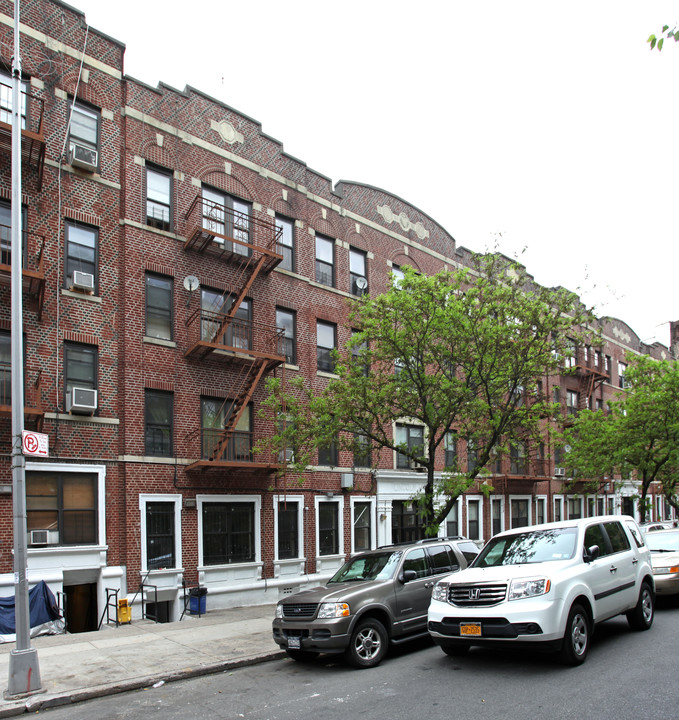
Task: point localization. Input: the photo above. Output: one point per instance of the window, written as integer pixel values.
(325, 342)
(82, 243)
(6, 234)
(358, 353)
(519, 512)
(397, 275)
(474, 519)
(617, 536)
(288, 529)
(607, 365)
(362, 454)
(496, 515)
(574, 508)
(80, 369)
(158, 198)
(362, 526)
(329, 454)
(84, 128)
(286, 320)
(228, 532)
(357, 271)
(159, 304)
(6, 100)
(517, 456)
(160, 535)
(571, 351)
(212, 425)
(158, 417)
(540, 510)
(472, 456)
(622, 369)
(286, 242)
(416, 560)
(558, 509)
(453, 520)
(64, 504)
(328, 528)
(215, 306)
(325, 261)
(572, 398)
(406, 523)
(229, 219)
(451, 449)
(214, 416)
(412, 436)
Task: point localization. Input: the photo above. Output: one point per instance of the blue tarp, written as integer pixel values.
(42, 605)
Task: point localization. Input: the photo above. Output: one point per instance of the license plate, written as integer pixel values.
(294, 641)
(470, 630)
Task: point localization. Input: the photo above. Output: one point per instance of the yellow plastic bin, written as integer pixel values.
(124, 611)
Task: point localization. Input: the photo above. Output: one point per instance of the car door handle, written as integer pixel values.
(613, 569)
(429, 584)
(635, 561)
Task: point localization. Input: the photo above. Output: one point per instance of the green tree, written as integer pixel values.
(462, 352)
(666, 33)
(640, 432)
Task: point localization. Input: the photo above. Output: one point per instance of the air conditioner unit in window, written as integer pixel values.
(83, 280)
(82, 400)
(84, 157)
(44, 537)
(559, 472)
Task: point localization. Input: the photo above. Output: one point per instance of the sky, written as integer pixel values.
(545, 129)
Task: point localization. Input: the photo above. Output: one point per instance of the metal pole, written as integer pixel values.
(24, 671)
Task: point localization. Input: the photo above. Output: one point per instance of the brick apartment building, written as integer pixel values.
(174, 257)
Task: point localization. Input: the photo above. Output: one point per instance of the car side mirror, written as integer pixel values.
(408, 575)
(592, 553)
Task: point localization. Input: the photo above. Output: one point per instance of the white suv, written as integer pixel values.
(547, 586)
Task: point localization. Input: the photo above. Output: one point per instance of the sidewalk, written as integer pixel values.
(88, 665)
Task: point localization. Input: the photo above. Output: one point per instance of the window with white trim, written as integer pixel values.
(160, 531)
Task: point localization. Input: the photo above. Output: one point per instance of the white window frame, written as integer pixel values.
(495, 499)
(373, 520)
(99, 470)
(300, 525)
(177, 500)
(454, 511)
(541, 499)
(530, 508)
(468, 500)
(340, 523)
(562, 501)
(578, 498)
(256, 500)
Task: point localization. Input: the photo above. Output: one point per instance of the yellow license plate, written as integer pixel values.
(470, 630)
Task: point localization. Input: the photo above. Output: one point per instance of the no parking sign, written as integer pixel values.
(35, 443)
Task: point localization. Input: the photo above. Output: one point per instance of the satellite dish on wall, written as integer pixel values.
(191, 283)
(361, 283)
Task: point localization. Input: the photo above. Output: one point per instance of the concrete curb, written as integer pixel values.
(43, 702)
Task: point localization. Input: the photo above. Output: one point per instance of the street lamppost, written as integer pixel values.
(24, 671)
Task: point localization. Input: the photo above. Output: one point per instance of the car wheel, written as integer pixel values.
(368, 644)
(456, 649)
(577, 638)
(301, 655)
(641, 617)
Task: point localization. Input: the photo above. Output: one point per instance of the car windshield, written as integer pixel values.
(532, 546)
(663, 541)
(377, 566)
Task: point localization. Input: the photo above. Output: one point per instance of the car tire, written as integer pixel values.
(641, 617)
(368, 644)
(301, 655)
(577, 637)
(456, 649)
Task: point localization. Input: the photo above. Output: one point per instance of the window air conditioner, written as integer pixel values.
(560, 472)
(44, 537)
(347, 481)
(83, 280)
(84, 157)
(82, 400)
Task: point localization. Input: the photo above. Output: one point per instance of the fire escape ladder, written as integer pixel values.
(245, 280)
(250, 381)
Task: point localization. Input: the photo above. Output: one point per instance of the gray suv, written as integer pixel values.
(376, 598)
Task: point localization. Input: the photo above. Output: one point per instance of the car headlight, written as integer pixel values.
(528, 587)
(440, 592)
(279, 611)
(333, 610)
(666, 570)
